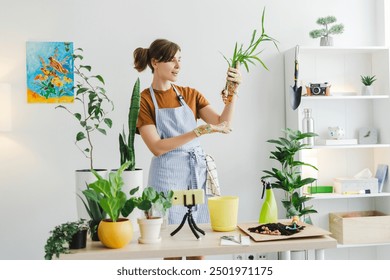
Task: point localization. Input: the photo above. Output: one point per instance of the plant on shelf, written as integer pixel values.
(126, 146)
(148, 201)
(95, 107)
(324, 33)
(250, 54)
(60, 239)
(368, 80)
(288, 177)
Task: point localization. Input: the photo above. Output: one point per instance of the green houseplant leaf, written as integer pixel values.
(288, 176)
(126, 146)
(109, 192)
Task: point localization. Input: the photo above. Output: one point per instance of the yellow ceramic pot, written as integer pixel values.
(223, 212)
(115, 235)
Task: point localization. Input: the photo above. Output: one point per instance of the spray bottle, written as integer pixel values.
(269, 210)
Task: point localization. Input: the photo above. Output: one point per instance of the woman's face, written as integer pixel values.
(168, 71)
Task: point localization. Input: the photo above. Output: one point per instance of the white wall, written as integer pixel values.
(38, 158)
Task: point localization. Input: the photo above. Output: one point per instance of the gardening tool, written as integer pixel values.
(295, 91)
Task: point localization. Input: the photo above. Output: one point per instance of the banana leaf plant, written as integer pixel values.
(288, 176)
(126, 146)
(249, 55)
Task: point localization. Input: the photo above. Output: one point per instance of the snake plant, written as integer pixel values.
(126, 146)
(249, 55)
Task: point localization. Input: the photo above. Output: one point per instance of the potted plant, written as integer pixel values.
(248, 55)
(94, 210)
(367, 81)
(324, 33)
(288, 176)
(117, 230)
(66, 236)
(94, 108)
(149, 201)
(132, 176)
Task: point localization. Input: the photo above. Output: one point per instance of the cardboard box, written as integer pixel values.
(360, 227)
(353, 185)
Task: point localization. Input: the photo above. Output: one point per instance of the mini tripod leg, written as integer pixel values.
(191, 218)
(192, 227)
(181, 225)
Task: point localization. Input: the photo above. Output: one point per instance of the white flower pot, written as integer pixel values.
(133, 179)
(150, 230)
(367, 90)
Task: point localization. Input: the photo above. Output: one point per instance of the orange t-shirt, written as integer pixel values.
(168, 99)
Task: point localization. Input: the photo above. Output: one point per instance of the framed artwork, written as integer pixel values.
(49, 68)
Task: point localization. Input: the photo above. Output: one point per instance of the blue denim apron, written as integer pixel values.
(182, 168)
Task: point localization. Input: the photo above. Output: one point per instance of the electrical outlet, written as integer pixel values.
(261, 256)
(239, 257)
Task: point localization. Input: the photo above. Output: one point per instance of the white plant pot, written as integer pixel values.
(367, 90)
(150, 230)
(326, 41)
(133, 179)
(83, 178)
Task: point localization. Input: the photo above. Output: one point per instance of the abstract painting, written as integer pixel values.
(50, 73)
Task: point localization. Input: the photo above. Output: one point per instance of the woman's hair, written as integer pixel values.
(162, 50)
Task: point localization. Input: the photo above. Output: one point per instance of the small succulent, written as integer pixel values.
(368, 80)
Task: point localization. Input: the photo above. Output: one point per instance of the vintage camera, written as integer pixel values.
(319, 89)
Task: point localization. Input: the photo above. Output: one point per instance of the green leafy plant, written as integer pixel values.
(150, 198)
(288, 176)
(327, 30)
(61, 236)
(94, 210)
(126, 147)
(90, 93)
(249, 55)
(108, 193)
(368, 80)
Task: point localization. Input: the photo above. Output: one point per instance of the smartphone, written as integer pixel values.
(188, 197)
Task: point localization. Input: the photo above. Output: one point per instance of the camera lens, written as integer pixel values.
(316, 90)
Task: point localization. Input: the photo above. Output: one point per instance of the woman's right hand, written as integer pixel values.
(211, 128)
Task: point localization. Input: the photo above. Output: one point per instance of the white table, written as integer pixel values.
(184, 243)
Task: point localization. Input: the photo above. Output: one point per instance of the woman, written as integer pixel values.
(167, 123)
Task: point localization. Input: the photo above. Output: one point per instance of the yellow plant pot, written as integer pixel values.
(223, 212)
(115, 235)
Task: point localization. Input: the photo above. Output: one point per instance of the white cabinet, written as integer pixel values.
(346, 108)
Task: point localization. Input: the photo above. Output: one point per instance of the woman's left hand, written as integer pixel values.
(233, 79)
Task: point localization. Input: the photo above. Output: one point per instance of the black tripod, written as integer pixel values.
(188, 216)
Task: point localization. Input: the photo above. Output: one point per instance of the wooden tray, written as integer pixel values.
(308, 231)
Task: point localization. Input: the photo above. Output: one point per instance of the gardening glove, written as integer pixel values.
(211, 128)
(233, 80)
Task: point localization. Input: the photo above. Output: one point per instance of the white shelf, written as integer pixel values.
(347, 50)
(341, 246)
(344, 97)
(319, 196)
(358, 146)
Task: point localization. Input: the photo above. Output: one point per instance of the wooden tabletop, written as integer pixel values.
(184, 243)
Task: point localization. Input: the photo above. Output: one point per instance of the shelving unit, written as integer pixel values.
(348, 109)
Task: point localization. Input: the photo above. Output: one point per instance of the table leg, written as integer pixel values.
(285, 255)
(319, 254)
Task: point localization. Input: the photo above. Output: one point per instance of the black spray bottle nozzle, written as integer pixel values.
(266, 185)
